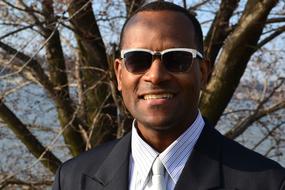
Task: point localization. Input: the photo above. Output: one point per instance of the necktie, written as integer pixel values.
(157, 179)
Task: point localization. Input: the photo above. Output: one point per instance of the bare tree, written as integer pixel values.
(59, 47)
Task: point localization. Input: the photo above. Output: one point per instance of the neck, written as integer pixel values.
(161, 138)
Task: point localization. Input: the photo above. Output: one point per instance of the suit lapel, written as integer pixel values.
(114, 171)
(203, 168)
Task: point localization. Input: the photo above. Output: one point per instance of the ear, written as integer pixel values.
(205, 69)
(118, 71)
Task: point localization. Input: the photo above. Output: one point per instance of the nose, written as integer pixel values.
(157, 73)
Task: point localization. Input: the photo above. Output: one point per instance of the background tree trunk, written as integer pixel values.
(231, 64)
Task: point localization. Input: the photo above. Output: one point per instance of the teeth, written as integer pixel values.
(157, 96)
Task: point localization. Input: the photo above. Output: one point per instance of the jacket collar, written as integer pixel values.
(114, 171)
(203, 169)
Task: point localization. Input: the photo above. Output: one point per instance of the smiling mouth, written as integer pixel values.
(158, 96)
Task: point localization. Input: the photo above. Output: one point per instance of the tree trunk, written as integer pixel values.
(238, 49)
(97, 105)
(55, 58)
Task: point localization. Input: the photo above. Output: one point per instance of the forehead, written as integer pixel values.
(159, 30)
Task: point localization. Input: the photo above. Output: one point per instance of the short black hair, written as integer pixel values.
(167, 6)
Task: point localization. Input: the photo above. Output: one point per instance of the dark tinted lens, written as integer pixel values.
(177, 61)
(137, 61)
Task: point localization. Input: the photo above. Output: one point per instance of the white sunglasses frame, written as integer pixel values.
(194, 52)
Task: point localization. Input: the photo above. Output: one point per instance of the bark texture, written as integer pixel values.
(231, 64)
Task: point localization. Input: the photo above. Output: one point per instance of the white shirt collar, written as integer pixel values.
(174, 157)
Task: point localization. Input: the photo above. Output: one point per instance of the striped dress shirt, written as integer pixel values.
(174, 157)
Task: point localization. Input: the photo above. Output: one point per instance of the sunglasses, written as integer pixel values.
(138, 61)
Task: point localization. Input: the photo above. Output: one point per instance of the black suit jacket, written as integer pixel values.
(216, 163)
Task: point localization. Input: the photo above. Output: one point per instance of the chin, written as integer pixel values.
(159, 125)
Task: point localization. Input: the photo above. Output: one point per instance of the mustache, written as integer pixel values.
(157, 87)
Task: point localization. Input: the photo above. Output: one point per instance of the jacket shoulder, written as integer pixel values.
(92, 157)
(244, 158)
(233, 154)
(248, 169)
(69, 174)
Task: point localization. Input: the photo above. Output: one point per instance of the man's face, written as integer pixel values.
(159, 99)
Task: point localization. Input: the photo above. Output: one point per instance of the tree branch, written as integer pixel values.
(273, 35)
(18, 182)
(132, 6)
(184, 4)
(58, 75)
(32, 12)
(275, 20)
(231, 65)
(267, 98)
(49, 160)
(64, 105)
(219, 29)
(245, 123)
(22, 25)
(31, 64)
(268, 134)
(257, 113)
(26, 9)
(195, 6)
(92, 58)
(16, 31)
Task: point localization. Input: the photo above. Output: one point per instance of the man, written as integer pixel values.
(160, 74)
